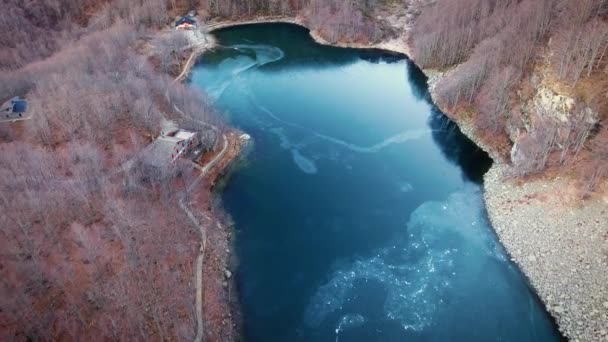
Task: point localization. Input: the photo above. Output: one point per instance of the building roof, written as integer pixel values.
(19, 106)
(177, 135)
(185, 20)
(15, 105)
(165, 148)
(184, 135)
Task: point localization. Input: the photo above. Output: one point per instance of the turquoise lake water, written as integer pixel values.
(358, 208)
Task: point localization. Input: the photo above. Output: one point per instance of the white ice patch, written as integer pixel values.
(236, 66)
(306, 165)
(420, 270)
(408, 287)
(264, 54)
(283, 140)
(406, 187)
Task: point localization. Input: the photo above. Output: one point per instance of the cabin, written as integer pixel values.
(186, 23)
(14, 108)
(179, 143)
(160, 157)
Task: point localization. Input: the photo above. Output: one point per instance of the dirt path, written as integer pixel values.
(195, 53)
(11, 120)
(201, 256)
(184, 205)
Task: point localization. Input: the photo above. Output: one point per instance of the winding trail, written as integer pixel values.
(201, 256)
(11, 120)
(197, 50)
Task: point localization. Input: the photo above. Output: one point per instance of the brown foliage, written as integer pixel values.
(494, 102)
(580, 50)
(344, 21)
(90, 251)
(496, 44)
(82, 258)
(350, 21)
(32, 30)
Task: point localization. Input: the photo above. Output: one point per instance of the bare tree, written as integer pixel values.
(495, 98)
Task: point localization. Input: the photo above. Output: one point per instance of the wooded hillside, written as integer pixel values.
(531, 74)
(94, 244)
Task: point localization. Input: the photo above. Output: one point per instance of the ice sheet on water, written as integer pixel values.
(406, 187)
(236, 66)
(260, 56)
(305, 164)
(264, 54)
(399, 138)
(283, 139)
(418, 271)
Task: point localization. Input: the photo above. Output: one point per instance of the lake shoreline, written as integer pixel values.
(501, 214)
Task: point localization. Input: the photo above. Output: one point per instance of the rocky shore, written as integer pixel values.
(560, 243)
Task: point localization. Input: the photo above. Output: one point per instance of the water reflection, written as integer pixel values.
(454, 145)
(418, 81)
(459, 149)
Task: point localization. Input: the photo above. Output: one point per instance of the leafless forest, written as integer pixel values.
(91, 249)
(498, 51)
(94, 250)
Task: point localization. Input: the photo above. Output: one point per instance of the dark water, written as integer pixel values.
(358, 210)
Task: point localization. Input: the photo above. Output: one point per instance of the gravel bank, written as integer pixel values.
(560, 243)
